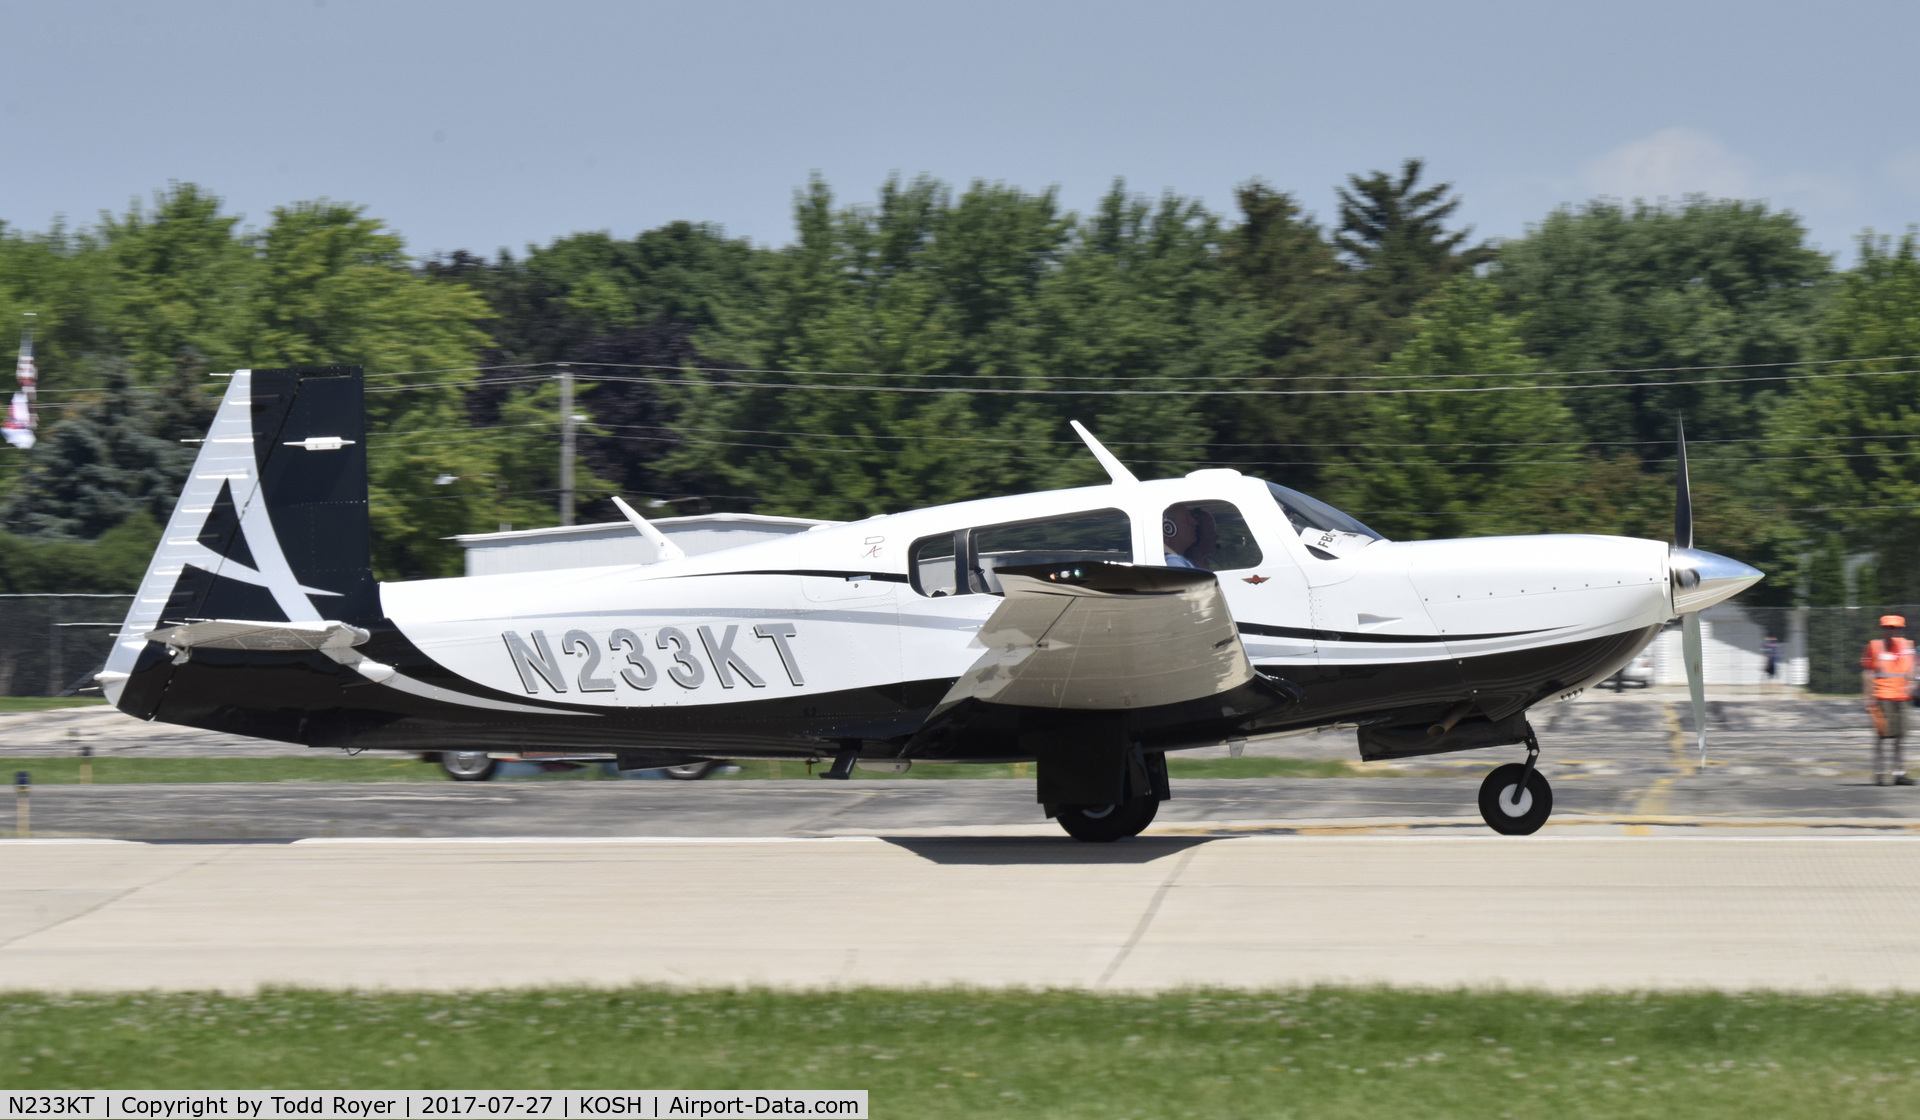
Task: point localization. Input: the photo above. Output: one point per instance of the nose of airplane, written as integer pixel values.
(1701, 578)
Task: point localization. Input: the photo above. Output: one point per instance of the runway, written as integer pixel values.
(1776, 865)
(283, 811)
(1160, 912)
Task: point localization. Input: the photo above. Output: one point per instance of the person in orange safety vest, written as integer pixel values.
(1886, 676)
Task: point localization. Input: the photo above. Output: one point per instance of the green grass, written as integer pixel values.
(1323, 1053)
(42, 703)
(1178, 767)
(117, 769)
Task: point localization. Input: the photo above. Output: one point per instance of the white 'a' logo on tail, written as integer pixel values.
(225, 483)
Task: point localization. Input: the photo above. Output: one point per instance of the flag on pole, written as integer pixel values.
(19, 424)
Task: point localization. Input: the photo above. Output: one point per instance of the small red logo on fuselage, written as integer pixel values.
(1255, 580)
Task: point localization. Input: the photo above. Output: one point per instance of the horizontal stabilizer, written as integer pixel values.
(222, 633)
(1105, 637)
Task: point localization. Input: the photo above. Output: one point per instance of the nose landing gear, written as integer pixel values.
(1516, 800)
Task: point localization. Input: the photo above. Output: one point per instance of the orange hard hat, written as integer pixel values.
(1893, 620)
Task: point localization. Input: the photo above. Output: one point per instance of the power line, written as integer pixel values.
(680, 436)
(996, 391)
(764, 371)
(1242, 392)
(1188, 443)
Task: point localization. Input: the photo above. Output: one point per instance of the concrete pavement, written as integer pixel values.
(1159, 912)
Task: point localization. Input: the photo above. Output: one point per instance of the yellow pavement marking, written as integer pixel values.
(1655, 801)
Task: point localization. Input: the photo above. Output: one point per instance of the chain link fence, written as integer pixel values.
(52, 645)
(1836, 637)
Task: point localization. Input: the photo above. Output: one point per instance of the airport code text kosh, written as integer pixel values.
(635, 1104)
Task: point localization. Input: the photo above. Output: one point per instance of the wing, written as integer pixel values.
(1104, 637)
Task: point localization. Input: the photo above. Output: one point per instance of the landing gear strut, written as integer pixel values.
(1516, 800)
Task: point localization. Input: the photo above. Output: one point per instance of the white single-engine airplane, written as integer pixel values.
(1089, 630)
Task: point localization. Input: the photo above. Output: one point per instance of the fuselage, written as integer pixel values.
(854, 632)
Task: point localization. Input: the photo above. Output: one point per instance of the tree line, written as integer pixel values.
(931, 345)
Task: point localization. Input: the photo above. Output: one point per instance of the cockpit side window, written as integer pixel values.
(1211, 536)
(935, 565)
(1328, 533)
(1101, 534)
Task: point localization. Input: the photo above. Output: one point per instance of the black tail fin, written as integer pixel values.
(316, 489)
(271, 525)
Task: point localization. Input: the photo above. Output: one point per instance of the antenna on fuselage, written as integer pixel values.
(663, 548)
(1116, 470)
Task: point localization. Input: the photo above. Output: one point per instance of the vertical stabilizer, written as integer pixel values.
(271, 525)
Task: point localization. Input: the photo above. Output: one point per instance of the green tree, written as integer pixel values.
(109, 565)
(1846, 447)
(1143, 301)
(1452, 451)
(587, 286)
(929, 293)
(624, 310)
(117, 456)
(958, 301)
(1394, 234)
(1609, 287)
(1300, 302)
(180, 280)
(61, 276)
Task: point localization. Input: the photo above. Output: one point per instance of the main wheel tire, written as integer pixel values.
(691, 771)
(1510, 810)
(1103, 824)
(468, 766)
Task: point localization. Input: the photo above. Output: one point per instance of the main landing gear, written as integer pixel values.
(1516, 800)
(1102, 824)
(1069, 793)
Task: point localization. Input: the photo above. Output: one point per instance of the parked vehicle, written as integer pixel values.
(1637, 673)
(481, 766)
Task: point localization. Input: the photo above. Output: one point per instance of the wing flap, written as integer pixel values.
(1105, 637)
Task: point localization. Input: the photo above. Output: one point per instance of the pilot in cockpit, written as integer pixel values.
(1189, 537)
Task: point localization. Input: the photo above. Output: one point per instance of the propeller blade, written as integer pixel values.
(1696, 678)
(1683, 491)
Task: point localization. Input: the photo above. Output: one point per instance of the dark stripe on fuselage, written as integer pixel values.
(884, 577)
(1263, 631)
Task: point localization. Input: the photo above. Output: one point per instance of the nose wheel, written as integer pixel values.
(1516, 800)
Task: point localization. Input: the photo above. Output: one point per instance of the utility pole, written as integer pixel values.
(566, 444)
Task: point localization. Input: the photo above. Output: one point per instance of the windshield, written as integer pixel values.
(1327, 531)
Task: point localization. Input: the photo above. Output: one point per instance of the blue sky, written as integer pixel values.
(478, 124)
